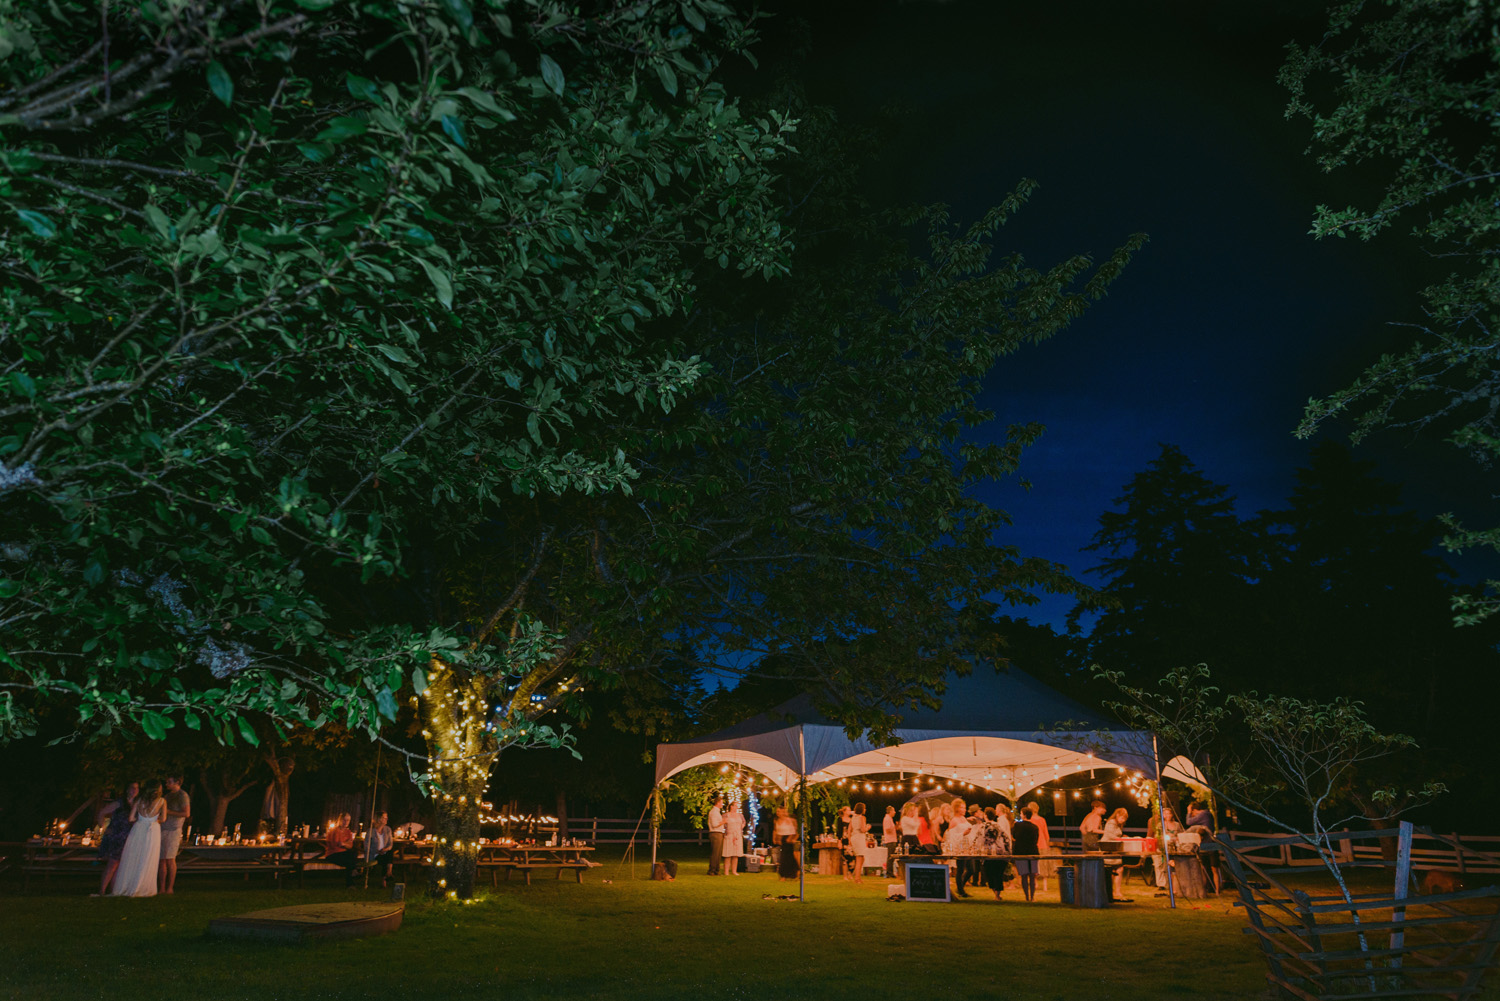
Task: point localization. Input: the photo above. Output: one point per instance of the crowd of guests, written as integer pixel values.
(960, 828)
(142, 836)
(951, 828)
(143, 830)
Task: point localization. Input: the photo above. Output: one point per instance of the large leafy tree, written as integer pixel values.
(808, 509)
(283, 281)
(1406, 92)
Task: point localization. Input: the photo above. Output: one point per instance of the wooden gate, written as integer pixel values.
(1372, 945)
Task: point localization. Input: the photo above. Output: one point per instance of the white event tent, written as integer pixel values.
(1001, 730)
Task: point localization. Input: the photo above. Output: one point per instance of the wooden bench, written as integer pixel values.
(578, 868)
(47, 868)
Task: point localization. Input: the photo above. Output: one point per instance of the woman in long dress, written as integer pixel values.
(1045, 868)
(856, 840)
(141, 858)
(734, 839)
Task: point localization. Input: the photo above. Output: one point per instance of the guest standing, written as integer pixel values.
(1091, 827)
(888, 830)
(116, 813)
(859, 840)
(991, 837)
(910, 825)
(140, 861)
(925, 826)
(1045, 867)
(1163, 832)
(785, 832)
(1025, 836)
(716, 836)
(179, 809)
(953, 844)
(1200, 816)
(939, 818)
(734, 839)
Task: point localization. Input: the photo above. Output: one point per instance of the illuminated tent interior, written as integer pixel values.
(1000, 730)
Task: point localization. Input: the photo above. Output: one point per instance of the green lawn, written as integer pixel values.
(697, 938)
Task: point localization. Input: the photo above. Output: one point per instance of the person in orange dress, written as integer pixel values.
(1045, 867)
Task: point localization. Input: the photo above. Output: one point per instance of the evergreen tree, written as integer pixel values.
(1355, 593)
(1176, 565)
(1356, 605)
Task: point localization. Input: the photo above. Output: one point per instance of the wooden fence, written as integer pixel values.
(1455, 853)
(618, 830)
(1369, 945)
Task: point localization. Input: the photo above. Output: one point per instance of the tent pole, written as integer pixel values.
(370, 831)
(655, 825)
(1161, 824)
(802, 825)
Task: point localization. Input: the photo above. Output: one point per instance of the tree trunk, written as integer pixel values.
(462, 751)
(281, 776)
(456, 860)
(218, 809)
(562, 815)
(220, 790)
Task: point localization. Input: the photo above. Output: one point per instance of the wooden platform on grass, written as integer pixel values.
(311, 922)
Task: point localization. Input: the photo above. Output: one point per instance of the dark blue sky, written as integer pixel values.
(1156, 117)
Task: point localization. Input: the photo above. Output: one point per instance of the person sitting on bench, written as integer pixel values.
(339, 848)
(379, 853)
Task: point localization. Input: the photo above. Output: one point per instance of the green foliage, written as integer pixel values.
(694, 790)
(284, 281)
(808, 510)
(1413, 104)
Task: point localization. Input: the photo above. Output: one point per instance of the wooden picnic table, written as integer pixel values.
(274, 859)
(497, 857)
(528, 858)
(46, 856)
(49, 856)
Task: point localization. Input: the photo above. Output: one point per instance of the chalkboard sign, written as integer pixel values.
(926, 882)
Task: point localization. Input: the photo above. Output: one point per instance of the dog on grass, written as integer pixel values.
(1437, 881)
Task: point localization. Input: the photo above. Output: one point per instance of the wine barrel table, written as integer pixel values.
(1092, 885)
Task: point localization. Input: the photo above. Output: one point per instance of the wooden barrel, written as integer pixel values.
(1093, 883)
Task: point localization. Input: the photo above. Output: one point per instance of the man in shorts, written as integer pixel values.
(179, 808)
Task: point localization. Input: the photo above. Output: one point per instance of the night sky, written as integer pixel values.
(1163, 118)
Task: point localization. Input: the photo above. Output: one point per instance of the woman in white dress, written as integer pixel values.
(734, 839)
(139, 862)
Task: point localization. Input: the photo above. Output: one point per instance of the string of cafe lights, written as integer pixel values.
(462, 761)
(1132, 783)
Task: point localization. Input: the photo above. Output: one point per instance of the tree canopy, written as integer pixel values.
(1405, 93)
(283, 280)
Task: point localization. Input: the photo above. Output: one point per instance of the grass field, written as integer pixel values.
(697, 938)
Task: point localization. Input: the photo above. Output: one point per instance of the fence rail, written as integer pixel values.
(1430, 851)
(1328, 947)
(618, 831)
